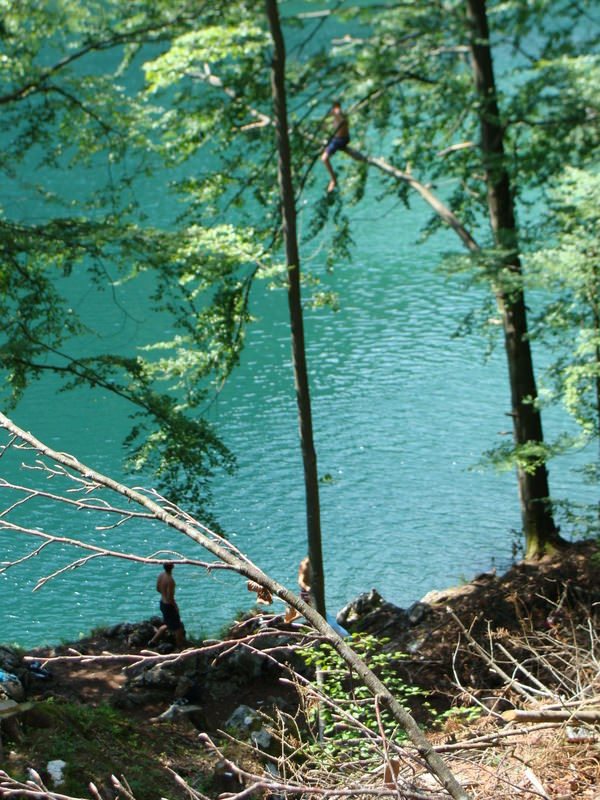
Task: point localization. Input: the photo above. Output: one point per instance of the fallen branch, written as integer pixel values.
(436, 204)
(518, 687)
(545, 715)
(238, 563)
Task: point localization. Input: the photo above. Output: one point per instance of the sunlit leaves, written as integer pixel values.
(353, 701)
(570, 269)
(210, 44)
(70, 75)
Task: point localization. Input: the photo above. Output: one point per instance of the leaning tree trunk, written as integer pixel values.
(541, 534)
(288, 208)
(167, 514)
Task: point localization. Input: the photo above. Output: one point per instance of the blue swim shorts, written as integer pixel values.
(336, 143)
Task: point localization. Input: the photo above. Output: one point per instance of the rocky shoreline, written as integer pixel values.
(218, 688)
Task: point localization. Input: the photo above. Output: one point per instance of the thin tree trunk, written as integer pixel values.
(536, 513)
(592, 293)
(288, 208)
(533, 488)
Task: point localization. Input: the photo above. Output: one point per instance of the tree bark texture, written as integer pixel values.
(288, 209)
(534, 494)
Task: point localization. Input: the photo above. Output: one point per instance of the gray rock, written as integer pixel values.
(369, 613)
(415, 645)
(157, 676)
(119, 631)
(261, 738)
(141, 634)
(364, 604)
(178, 710)
(417, 612)
(56, 771)
(248, 723)
(245, 663)
(244, 720)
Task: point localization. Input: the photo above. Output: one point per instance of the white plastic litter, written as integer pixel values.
(55, 770)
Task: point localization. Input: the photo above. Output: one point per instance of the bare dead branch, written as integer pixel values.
(244, 567)
(546, 715)
(525, 692)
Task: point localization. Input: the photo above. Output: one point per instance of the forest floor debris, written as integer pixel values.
(521, 643)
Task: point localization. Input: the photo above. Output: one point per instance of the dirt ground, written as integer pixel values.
(553, 596)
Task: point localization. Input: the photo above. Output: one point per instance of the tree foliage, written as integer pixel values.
(64, 107)
(183, 87)
(566, 274)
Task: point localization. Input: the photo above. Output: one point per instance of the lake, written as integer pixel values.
(402, 412)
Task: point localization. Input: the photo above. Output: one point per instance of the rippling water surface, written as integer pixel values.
(402, 411)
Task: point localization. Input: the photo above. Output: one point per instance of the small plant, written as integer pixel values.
(463, 714)
(352, 707)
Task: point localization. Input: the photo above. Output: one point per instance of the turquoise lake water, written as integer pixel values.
(402, 412)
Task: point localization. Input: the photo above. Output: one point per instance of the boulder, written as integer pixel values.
(370, 613)
(141, 634)
(261, 738)
(56, 770)
(119, 631)
(180, 710)
(244, 719)
(418, 612)
(158, 676)
(438, 596)
(248, 723)
(243, 662)
(364, 604)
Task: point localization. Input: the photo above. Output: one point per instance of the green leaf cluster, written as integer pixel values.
(355, 710)
(124, 91)
(70, 96)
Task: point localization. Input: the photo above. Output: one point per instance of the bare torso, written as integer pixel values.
(166, 586)
(304, 575)
(340, 124)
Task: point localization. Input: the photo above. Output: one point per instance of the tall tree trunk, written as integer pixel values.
(288, 208)
(541, 534)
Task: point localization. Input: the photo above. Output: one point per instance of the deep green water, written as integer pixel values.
(402, 412)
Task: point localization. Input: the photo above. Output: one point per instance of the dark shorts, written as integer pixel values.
(170, 616)
(336, 143)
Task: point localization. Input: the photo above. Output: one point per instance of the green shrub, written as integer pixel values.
(343, 724)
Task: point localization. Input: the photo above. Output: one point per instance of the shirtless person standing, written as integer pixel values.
(304, 583)
(338, 141)
(165, 585)
(304, 580)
